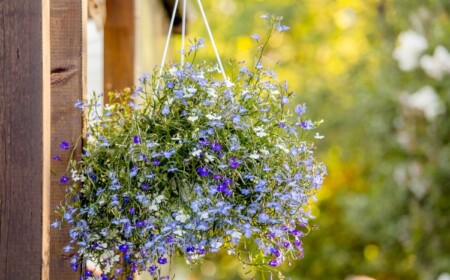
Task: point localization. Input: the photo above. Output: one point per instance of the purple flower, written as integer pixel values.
(145, 187)
(217, 177)
(287, 245)
(162, 260)
(156, 162)
(64, 145)
(202, 171)
(64, 179)
(273, 263)
(190, 250)
(227, 181)
(56, 157)
(216, 147)
(104, 277)
(88, 273)
(152, 268)
(234, 163)
(74, 266)
(275, 252)
(140, 224)
(123, 248)
(132, 210)
(136, 139)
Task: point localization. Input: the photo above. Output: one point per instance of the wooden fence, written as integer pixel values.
(42, 74)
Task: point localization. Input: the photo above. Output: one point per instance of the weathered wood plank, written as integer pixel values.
(24, 157)
(119, 44)
(68, 84)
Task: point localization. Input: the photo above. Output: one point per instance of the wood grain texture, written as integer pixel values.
(68, 71)
(23, 72)
(119, 44)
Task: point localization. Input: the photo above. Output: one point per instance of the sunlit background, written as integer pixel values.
(378, 73)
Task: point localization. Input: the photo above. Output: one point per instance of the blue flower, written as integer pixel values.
(282, 28)
(172, 169)
(134, 171)
(136, 139)
(64, 179)
(168, 154)
(216, 146)
(162, 260)
(202, 171)
(234, 163)
(255, 36)
(144, 78)
(79, 104)
(64, 145)
(165, 110)
(300, 109)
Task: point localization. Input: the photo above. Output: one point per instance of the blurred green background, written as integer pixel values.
(384, 209)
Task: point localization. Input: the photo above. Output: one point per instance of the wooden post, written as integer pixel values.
(119, 43)
(68, 84)
(24, 139)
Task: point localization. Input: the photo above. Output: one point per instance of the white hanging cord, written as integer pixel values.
(212, 41)
(183, 32)
(167, 42)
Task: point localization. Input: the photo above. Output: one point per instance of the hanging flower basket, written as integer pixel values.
(199, 165)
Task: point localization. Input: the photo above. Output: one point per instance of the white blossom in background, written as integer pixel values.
(425, 100)
(444, 276)
(436, 65)
(410, 46)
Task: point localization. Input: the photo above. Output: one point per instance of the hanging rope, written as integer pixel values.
(167, 41)
(183, 36)
(183, 32)
(212, 42)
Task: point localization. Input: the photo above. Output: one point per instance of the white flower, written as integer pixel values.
(260, 132)
(182, 217)
(236, 234)
(213, 117)
(437, 65)
(192, 118)
(196, 153)
(153, 207)
(216, 244)
(426, 100)
(209, 157)
(286, 150)
(204, 215)
(264, 151)
(254, 156)
(318, 136)
(179, 232)
(444, 276)
(211, 92)
(411, 45)
(75, 176)
(159, 198)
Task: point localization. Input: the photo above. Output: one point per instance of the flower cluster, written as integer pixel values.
(198, 165)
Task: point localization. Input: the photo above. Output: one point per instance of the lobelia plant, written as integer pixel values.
(199, 165)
